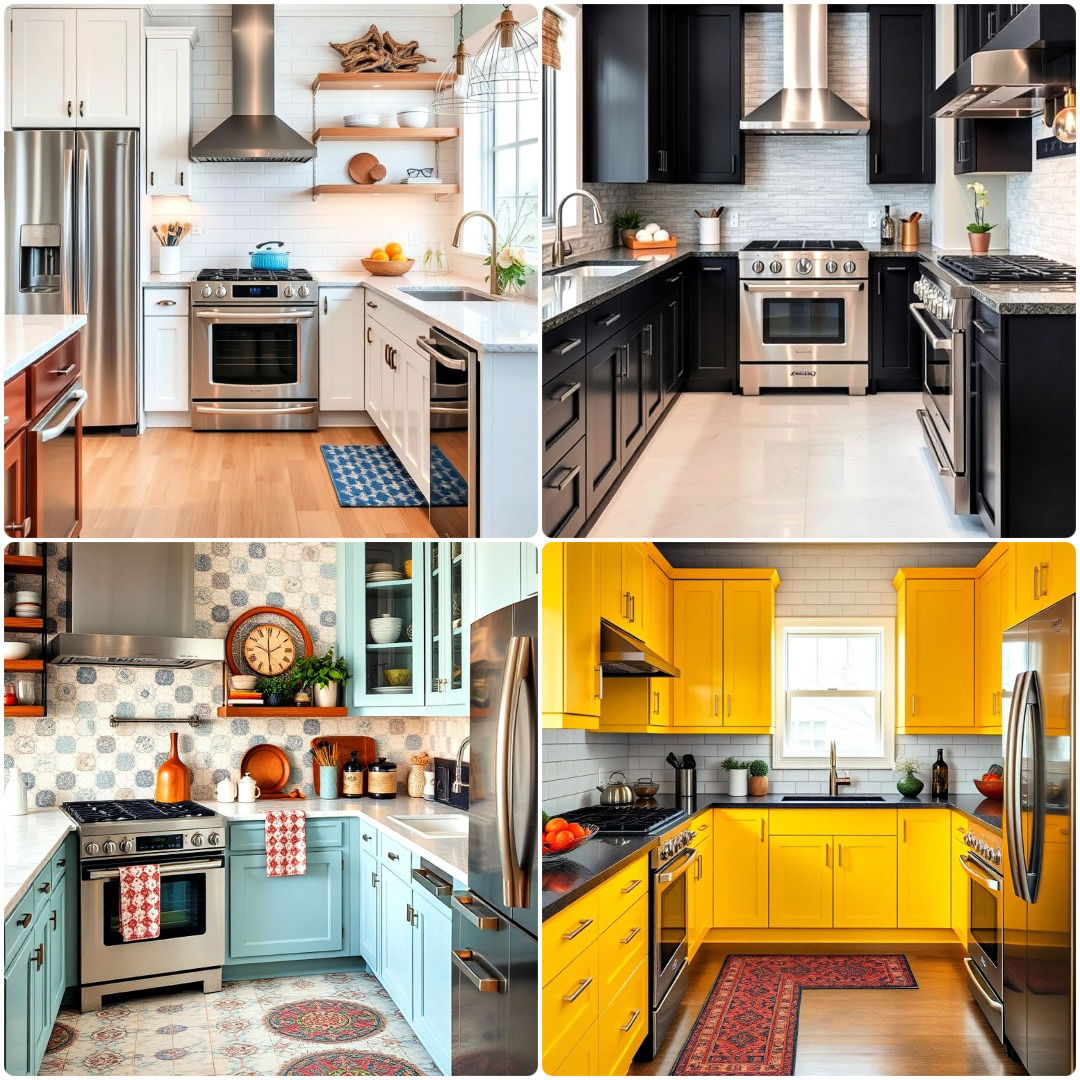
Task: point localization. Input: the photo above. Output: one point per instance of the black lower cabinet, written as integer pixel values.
(563, 493)
(895, 340)
(713, 359)
(638, 352)
(673, 334)
(603, 417)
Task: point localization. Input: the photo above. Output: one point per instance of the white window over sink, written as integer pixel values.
(835, 681)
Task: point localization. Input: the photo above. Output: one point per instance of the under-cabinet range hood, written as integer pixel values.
(1030, 61)
(253, 132)
(806, 105)
(133, 605)
(622, 656)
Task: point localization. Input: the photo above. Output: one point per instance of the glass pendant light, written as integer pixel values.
(456, 91)
(507, 63)
(1065, 121)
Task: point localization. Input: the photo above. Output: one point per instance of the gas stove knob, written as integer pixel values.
(997, 858)
(302, 291)
(207, 290)
(127, 846)
(849, 267)
(196, 839)
(776, 266)
(214, 838)
(221, 292)
(91, 848)
(288, 290)
(803, 266)
(758, 266)
(109, 847)
(831, 266)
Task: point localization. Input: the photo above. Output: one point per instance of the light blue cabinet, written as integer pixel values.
(502, 573)
(56, 945)
(396, 947)
(431, 1017)
(447, 623)
(368, 893)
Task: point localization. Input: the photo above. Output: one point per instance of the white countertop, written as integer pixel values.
(29, 337)
(30, 841)
(154, 280)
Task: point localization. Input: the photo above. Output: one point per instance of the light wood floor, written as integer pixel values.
(936, 1030)
(174, 482)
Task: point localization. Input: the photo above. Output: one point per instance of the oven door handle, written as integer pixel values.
(971, 866)
(940, 343)
(165, 870)
(277, 410)
(805, 286)
(930, 436)
(454, 363)
(255, 316)
(666, 876)
(79, 398)
(975, 982)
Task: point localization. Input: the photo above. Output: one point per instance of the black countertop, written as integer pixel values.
(564, 880)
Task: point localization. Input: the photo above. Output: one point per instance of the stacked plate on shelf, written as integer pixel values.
(386, 575)
(363, 120)
(27, 605)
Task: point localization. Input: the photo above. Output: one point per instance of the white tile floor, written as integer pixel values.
(783, 466)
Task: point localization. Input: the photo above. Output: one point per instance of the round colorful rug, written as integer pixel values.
(325, 1020)
(348, 1063)
(62, 1036)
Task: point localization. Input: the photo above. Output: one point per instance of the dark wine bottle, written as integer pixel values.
(352, 778)
(939, 778)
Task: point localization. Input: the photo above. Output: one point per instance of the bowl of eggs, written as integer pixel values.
(648, 237)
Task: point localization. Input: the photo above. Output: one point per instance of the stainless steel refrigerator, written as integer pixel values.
(72, 212)
(494, 958)
(1038, 971)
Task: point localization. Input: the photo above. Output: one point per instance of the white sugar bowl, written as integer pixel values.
(385, 630)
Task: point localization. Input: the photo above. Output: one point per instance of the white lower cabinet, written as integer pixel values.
(342, 351)
(166, 341)
(414, 375)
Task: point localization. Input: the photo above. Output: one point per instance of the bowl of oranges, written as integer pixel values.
(562, 836)
(388, 261)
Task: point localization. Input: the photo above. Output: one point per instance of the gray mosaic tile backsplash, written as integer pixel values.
(73, 753)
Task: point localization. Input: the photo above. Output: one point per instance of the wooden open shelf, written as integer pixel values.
(11, 622)
(384, 189)
(24, 710)
(279, 710)
(389, 80)
(387, 134)
(25, 564)
(24, 665)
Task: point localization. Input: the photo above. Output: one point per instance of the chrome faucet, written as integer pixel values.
(493, 277)
(836, 781)
(459, 785)
(560, 249)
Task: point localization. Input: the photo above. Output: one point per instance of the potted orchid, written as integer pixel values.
(510, 259)
(978, 230)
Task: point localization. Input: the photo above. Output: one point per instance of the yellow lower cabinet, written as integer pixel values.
(624, 1023)
(864, 881)
(569, 932)
(570, 1003)
(800, 881)
(623, 945)
(741, 868)
(959, 906)
(620, 890)
(701, 894)
(583, 1060)
(924, 870)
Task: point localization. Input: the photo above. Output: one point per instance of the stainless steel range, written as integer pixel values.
(984, 961)
(804, 315)
(187, 842)
(254, 351)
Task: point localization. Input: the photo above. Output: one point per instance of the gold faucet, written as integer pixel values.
(836, 781)
(493, 277)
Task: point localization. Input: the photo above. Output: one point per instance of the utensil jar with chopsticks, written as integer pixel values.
(326, 761)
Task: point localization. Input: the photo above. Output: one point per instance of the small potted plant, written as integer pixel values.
(324, 674)
(627, 223)
(759, 777)
(978, 230)
(277, 690)
(736, 771)
(909, 785)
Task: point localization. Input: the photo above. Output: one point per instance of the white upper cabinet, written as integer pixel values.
(168, 108)
(341, 350)
(75, 67)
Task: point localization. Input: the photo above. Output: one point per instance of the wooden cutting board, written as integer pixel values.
(364, 746)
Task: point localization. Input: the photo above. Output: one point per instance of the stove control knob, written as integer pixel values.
(831, 266)
(214, 838)
(109, 847)
(302, 291)
(997, 858)
(207, 290)
(127, 846)
(758, 266)
(849, 267)
(221, 292)
(776, 266)
(288, 290)
(803, 266)
(91, 848)
(196, 839)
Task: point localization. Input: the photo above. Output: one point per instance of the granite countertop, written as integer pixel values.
(29, 337)
(30, 841)
(564, 880)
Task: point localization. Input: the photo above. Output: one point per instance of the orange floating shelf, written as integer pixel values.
(389, 80)
(26, 564)
(12, 622)
(279, 710)
(24, 665)
(24, 710)
(384, 189)
(381, 134)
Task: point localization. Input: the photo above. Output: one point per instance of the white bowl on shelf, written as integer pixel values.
(414, 118)
(244, 682)
(16, 650)
(385, 630)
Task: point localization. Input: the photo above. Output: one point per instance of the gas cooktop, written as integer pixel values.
(254, 275)
(123, 810)
(626, 819)
(992, 269)
(804, 245)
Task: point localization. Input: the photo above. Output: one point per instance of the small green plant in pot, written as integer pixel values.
(759, 777)
(277, 690)
(736, 771)
(323, 674)
(909, 785)
(627, 222)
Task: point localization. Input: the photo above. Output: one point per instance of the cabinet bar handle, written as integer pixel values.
(24, 920)
(69, 113)
(912, 704)
(1035, 584)
(729, 704)
(567, 346)
(734, 161)
(656, 699)
(81, 110)
(151, 171)
(674, 280)
(564, 392)
(582, 987)
(763, 828)
(599, 683)
(38, 957)
(632, 1021)
(982, 327)
(374, 879)
(630, 937)
(64, 371)
(368, 333)
(610, 320)
(631, 887)
(584, 924)
(839, 853)
(1044, 574)
(181, 179)
(877, 169)
(52, 917)
(325, 306)
(633, 604)
(903, 833)
(826, 854)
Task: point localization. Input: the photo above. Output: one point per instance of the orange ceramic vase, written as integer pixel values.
(173, 776)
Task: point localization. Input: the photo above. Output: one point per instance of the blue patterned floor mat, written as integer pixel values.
(373, 476)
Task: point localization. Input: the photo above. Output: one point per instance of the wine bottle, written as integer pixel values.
(939, 778)
(352, 778)
(888, 228)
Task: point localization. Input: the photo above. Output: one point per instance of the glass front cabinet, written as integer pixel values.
(448, 636)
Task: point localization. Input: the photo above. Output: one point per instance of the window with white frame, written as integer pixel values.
(834, 683)
(561, 110)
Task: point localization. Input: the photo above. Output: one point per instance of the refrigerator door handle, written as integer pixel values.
(1026, 699)
(1038, 788)
(1012, 785)
(67, 245)
(82, 229)
(515, 878)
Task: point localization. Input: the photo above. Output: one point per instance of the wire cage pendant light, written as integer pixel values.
(507, 64)
(456, 92)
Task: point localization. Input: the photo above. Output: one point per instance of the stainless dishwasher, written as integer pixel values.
(56, 461)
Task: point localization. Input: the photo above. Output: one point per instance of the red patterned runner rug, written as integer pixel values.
(750, 1021)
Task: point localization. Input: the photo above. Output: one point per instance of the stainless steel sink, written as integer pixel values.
(597, 269)
(442, 294)
(832, 798)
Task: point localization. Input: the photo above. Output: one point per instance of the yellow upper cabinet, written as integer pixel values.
(748, 651)
(699, 652)
(621, 593)
(1043, 574)
(935, 640)
(656, 603)
(991, 596)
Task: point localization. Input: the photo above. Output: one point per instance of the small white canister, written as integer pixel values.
(15, 795)
(226, 790)
(247, 790)
(709, 230)
(169, 260)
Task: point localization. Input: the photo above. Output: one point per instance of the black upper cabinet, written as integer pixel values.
(895, 340)
(976, 24)
(714, 342)
(900, 149)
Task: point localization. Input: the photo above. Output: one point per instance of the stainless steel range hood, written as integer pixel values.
(806, 105)
(133, 605)
(253, 132)
(624, 656)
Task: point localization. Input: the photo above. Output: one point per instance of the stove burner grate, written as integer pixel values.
(1008, 268)
(254, 275)
(120, 810)
(625, 819)
(804, 245)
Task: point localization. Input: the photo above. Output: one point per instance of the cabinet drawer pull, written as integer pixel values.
(982, 327)
(24, 920)
(374, 879)
(466, 960)
(38, 957)
(46, 887)
(52, 919)
(82, 111)
(166, 303)
(409, 914)
(393, 855)
(69, 113)
(372, 304)
(674, 280)
(582, 987)
(567, 346)
(610, 320)
(584, 924)
(631, 887)
(630, 937)
(365, 836)
(64, 371)
(569, 475)
(564, 392)
(632, 1021)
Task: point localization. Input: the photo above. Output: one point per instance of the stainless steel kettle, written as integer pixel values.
(617, 792)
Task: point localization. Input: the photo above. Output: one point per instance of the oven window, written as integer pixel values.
(254, 355)
(672, 919)
(183, 907)
(937, 376)
(802, 321)
(983, 914)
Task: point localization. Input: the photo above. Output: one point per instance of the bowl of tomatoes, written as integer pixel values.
(562, 836)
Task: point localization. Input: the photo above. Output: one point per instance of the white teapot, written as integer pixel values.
(226, 790)
(247, 789)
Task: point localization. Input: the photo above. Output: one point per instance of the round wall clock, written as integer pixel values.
(266, 641)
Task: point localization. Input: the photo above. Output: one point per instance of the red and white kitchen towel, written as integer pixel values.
(286, 843)
(140, 903)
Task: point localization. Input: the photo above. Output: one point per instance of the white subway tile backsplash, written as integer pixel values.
(1042, 205)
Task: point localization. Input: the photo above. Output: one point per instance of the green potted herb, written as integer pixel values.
(759, 777)
(627, 222)
(277, 690)
(909, 785)
(736, 771)
(324, 674)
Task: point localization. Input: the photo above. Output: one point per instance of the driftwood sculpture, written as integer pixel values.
(377, 51)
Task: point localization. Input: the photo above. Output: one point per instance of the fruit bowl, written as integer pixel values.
(590, 832)
(388, 267)
(993, 788)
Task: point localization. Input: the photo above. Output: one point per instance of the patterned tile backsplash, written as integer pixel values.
(73, 752)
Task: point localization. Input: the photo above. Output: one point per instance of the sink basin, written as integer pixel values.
(442, 294)
(437, 827)
(597, 269)
(832, 798)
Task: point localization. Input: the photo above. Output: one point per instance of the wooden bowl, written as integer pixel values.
(388, 268)
(992, 789)
(268, 767)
